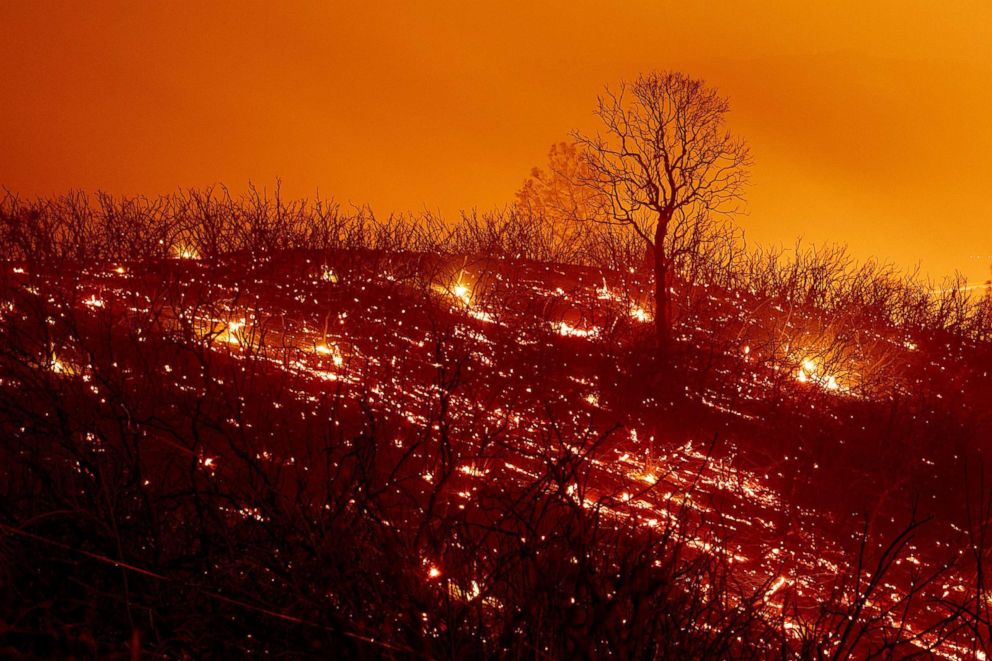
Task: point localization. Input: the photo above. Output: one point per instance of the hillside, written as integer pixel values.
(411, 453)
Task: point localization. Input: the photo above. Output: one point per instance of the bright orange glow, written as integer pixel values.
(868, 121)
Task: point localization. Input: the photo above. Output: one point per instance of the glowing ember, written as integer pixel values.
(605, 294)
(648, 477)
(481, 315)
(776, 586)
(567, 330)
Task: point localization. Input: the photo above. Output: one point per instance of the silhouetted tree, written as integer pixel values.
(562, 192)
(666, 159)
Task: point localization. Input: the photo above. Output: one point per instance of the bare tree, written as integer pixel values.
(665, 161)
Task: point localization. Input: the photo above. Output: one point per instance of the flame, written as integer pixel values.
(636, 312)
(462, 293)
(473, 471)
(58, 366)
(331, 350)
(810, 371)
(185, 252)
(639, 314)
(233, 328)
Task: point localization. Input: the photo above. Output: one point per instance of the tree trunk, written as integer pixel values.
(662, 290)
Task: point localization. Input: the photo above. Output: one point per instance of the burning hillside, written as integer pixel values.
(399, 451)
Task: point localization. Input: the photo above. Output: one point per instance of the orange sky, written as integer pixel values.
(869, 125)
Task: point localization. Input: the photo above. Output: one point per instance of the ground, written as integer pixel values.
(411, 454)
